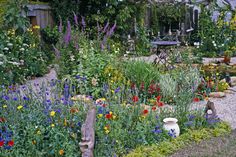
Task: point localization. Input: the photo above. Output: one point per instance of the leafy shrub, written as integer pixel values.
(169, 147)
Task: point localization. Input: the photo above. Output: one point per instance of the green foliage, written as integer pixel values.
(50, 35)
(140, 71)
(21, 57)
(216, 36)
(13, 18)
(169, 147)
(142, 43)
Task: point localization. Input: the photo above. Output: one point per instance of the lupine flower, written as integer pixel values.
(68, 34)
(111, 31)
(60, 26)
(105, 28)
(57, 52)
(75, 18)
(83, 22)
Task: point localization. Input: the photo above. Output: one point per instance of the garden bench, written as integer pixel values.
(162, 48)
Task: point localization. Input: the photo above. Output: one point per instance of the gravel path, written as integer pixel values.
(210, 60)
(215, 147)
(225, 107)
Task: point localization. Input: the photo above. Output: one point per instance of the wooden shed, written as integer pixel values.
(40, 14)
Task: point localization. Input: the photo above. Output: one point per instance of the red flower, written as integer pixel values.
(11, 143)
(135, 98)
(104, 105)
(2, 120)
(158, 98)
(1, 143)
(108, 116)
(133, 85)
(145, 111)
(154, 108)
(196, 99)
(160, 104)
(142, 86)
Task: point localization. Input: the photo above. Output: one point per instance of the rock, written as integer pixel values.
(229, 92)
(217, 94)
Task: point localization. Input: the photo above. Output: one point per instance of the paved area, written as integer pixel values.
(210, 60)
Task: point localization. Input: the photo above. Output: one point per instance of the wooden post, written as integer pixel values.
(88, 134)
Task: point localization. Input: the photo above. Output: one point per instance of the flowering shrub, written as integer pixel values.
(20, 56)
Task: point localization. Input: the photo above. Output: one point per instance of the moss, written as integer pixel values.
(170, 146)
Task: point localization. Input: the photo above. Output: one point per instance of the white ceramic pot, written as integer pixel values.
(170, 124)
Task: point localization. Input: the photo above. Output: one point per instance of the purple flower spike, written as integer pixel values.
(60, 26)
(111, 31)
(83, 22)
(76, 19)
(105, 28)
(57, 52)
(68, 33)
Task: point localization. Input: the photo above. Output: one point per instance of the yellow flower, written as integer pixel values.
(110, 112)
(100, 115)
(105, 128)
(4, 106)
(113, 117)
(33, 142)
(36, 27)
(65, 122)
(38, 132)
(52, 113)
(52, 125)
(61, 152)
(19, 107)
(107, 131)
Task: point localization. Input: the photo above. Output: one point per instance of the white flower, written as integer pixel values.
(6, 49)
(10, 45)
(72, 58)
(214, 44)
(14, 63)
(26, 45)
(22, 49)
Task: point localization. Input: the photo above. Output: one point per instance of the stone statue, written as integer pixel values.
(88, 134)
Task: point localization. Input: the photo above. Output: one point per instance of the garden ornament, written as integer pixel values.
(228, 79)
(88, 134)
(171, 125)
(210, 107)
